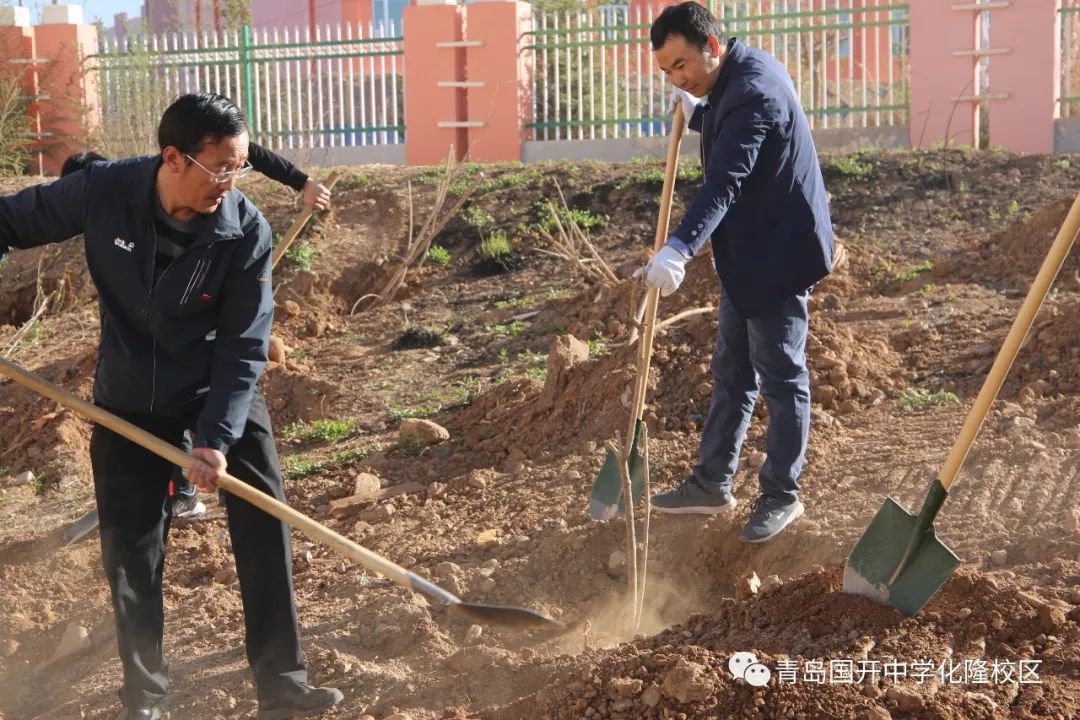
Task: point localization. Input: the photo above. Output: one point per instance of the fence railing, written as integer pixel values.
(1069, 98)
(335, 87)
(595, 75)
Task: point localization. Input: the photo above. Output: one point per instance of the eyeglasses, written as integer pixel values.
(225, 175)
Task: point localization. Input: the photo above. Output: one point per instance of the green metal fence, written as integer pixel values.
(333, 87)
(595, 76)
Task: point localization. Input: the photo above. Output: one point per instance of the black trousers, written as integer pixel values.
(131, 487)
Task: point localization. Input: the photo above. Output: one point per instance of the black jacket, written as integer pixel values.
(763, 200)
(198, 338)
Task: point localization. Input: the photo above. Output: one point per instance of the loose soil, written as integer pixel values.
(941, 249)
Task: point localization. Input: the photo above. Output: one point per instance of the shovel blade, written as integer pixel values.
(879, 552)
(606, 500)
(82, 527)
(505, 615)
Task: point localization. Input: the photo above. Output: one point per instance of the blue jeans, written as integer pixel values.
(767, 351)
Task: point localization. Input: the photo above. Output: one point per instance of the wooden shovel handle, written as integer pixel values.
(173, 454)
(648, 331)
(300, 221)
(1055, 258)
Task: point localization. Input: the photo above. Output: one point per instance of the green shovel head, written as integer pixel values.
(873, 562)
(606, 500)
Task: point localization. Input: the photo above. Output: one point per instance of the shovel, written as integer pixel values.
(607, 497)
(89, 522)
(473, 612)
(899, 560)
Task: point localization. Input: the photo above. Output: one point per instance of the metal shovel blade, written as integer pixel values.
(505, 615)
(606, 500)
(871, 567)
(81, 528)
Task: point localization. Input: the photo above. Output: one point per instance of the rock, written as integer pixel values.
(1072, 521)
(8, 647)
(277, 349)
(747, 587)
(876, 712)
(756, 459)
(24, 478)
(75, 639)
(447, 569)
(349, 506)
(1051, 619)
(290, 308)
(688, 682)
(1016, 505)
(487, 538)
(625, 687)
(616, 561)
(225, 575)
(476, 480)
(963, 613)
(420, 430)
(487, 585)
(652, 696)
(906, 700)
(473, 634)
(366, 485)
(999, 557)
(771, 583)
(378, 513)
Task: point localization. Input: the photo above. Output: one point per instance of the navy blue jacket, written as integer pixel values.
(199, 337)
(763, 199)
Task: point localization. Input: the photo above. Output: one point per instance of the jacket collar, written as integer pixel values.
(736, 52)
(222, 224)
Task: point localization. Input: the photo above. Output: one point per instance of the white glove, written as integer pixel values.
(689, 103)
(665, 271)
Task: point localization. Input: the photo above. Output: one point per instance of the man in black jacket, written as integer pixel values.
(181, 262)
(184, 500)
(763, 205)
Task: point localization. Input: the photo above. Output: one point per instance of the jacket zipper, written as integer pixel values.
(146, 318)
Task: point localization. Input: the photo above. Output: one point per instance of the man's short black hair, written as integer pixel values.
(80, 161)
(195, 119)
(688, 19)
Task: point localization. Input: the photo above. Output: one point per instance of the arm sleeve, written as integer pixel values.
(276, 167)
(734, 153)
(44, 214)
(241, 345)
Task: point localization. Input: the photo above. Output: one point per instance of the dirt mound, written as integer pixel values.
(831, 655)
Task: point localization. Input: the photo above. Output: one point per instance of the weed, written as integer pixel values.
(296, 468)
(929, 288)
(477, 216)
(351, 456)
(416, 336)
(915, 272)
(536, 373)
(851, 168)
(995, 214)
(553, 329)
(354, 182)
(520, 301)
(438, 255)
(597, 346)
(916, 399)
(532, 358)
(325, 430)
(512, 329)
(410, 446)
(300, 255)
(497, 255)
(503, 355)
(1014, 207)
(401, 413)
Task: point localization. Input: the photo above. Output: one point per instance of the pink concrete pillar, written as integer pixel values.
(499, 85)
(73, 107)
(1029, 75)
(435, 115)
(943, 83)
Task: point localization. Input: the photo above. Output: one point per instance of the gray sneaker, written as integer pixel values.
(769, 517)
(694, 497)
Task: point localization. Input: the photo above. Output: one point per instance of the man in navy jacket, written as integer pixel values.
(181, 262)
(763, 205)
